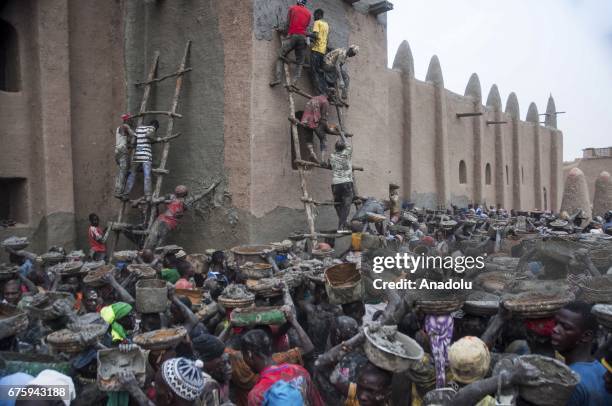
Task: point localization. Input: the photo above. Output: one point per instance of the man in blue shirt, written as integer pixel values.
(572, 337)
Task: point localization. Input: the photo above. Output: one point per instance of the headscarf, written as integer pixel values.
(208, 346)
(542, 327)
(50, 377)
(283, 393)
(469, 359)
(184, 377)
(440, 332)
(17, 379)
(113, 313)
(183, 284)
(170, 275)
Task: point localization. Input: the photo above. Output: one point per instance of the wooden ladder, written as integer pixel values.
(149, 210)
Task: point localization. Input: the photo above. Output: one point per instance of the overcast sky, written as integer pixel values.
(530, 47)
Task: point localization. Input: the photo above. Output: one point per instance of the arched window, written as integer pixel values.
(522, 176)
(507, 176)
(10, 80)
(462, 172)
(488, 174)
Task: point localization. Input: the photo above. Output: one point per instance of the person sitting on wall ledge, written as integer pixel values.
(298, 19)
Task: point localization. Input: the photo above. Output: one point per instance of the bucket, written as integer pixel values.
(250, 253)
(554, 385)
(391, 350)
(253, 316)
(256, 271)
(112, 361)
(343, 283)
(151, 296)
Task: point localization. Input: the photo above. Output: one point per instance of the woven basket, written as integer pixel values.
(598, 290)
(12, 321)
(69, 341)
(142, 271)
(235, 303)
(94, 278)
(536, 305)
(67, 268)
(480, 303)
(250, 253)
(161, 339)
(496, 282)
(93, 265)
(125, 256)
(8, 272)
(439, 307)
(603, 312)
(42, 304)
(319, 254)
(15, 243)
(343, 283)
(52, 258)
(250, 270)
(268, 287)
(601, 257)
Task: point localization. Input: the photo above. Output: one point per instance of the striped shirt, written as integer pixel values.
(342, 168)
(143, 144)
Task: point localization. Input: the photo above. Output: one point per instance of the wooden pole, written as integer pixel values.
(166, 150)
(296, 148)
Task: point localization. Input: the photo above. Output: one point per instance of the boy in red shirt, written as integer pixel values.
(298, 19)
(95, 235)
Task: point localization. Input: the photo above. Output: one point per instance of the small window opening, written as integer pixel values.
(462, 172)
(13, 200)
(10, 80)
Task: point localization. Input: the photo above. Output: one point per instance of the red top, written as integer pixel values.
(299, 18)
(174, 210)
(293, 374)
(93, 234)
(315, 110)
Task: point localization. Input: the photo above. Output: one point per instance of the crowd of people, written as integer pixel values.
(268, 325)
(316, 353)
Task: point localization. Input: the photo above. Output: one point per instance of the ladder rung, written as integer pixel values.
(159, 79)
(160, 171)
(167, 113)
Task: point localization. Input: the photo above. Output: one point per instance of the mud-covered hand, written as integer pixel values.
(61, 308)
(108, 278)
(524, 373)
(171, 290)
(87, 337)
(127, 379)
(128, 347)
(289, 312)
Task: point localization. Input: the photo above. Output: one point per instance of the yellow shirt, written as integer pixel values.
(322, 30)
